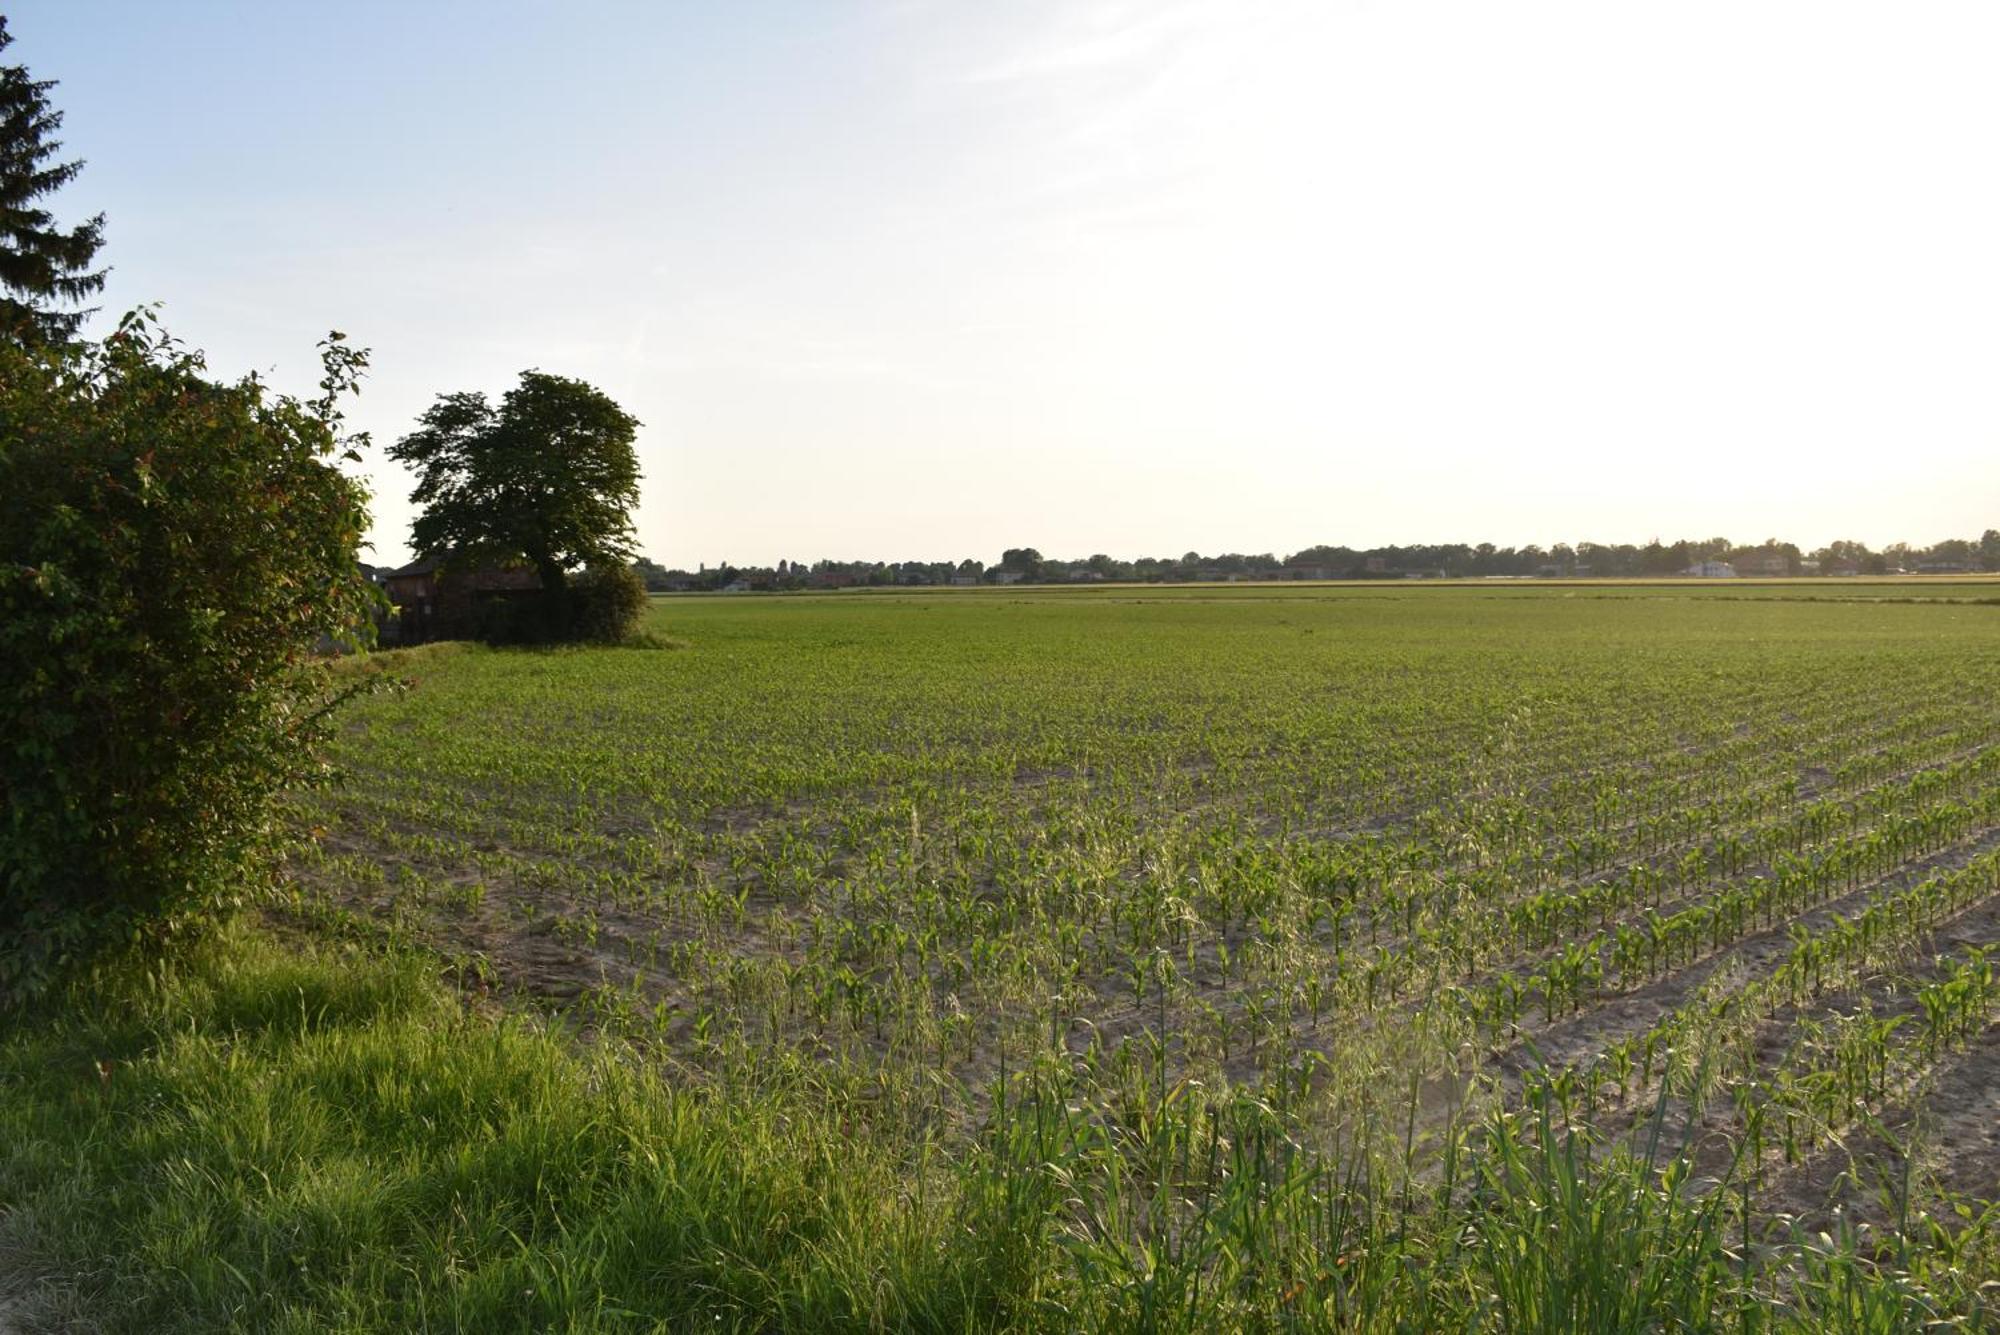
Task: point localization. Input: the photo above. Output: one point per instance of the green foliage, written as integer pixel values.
(1022, 560)
(171, 550)
(39, 263)
(603, 605)
(549, 477)
(297, 1134)
(277, 1135)
(1574, 1238)
(652, 574)
(607, 603)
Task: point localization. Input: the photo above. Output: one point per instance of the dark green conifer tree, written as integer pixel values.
(42, 267)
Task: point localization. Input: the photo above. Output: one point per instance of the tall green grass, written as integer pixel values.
(305, 1135)
(275, 1137)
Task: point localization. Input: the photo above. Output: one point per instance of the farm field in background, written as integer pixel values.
(1244, 943)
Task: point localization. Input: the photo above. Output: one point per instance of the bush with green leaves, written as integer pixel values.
(172, 551)
(603, 605)
(606, 604)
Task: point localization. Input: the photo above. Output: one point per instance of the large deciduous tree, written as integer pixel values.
(41, 265)
(1022, 560)
(549, 477)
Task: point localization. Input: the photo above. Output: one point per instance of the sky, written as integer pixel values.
(900, 279)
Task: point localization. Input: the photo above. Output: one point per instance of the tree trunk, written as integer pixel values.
(555, 597)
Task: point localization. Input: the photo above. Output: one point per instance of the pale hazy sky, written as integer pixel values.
(924, 280)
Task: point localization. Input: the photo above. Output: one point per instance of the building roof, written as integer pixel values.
(489, 576)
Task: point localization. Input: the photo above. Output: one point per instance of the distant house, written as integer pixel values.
(1711, 570)
(1086, 576)
(434, 602)
(737, 585)
(1375, 565)
(1944, 567)
(1845, 567)
(1005, 576)
(964, 581)
(1763, 565)
(1303, 572)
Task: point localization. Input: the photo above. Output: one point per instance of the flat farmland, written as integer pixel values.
(1269, 955)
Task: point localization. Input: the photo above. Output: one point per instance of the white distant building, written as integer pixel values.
(1711, 570)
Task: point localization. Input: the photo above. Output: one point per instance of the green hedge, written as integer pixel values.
(171, 551)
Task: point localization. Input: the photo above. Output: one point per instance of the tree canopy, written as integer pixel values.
(548, 477)
(41, 265)
(1025, 560)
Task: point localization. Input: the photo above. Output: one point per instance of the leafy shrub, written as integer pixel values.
(606, 604)
(526, 619)
(172, 549)
(603, 605)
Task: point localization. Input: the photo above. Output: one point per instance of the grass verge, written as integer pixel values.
(269, 1136)
(316, 1135)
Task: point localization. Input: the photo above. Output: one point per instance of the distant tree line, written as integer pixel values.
(1439, 561)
